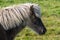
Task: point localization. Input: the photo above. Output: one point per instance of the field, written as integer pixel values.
(50, 16)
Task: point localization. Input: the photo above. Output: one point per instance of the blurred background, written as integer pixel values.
(50, 16)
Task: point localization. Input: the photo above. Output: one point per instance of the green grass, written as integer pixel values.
(50, 16)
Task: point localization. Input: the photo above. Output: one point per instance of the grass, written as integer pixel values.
(50, 16)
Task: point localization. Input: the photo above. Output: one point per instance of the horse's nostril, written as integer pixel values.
(42, 32)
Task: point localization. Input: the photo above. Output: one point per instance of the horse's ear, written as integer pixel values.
(32, 9)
